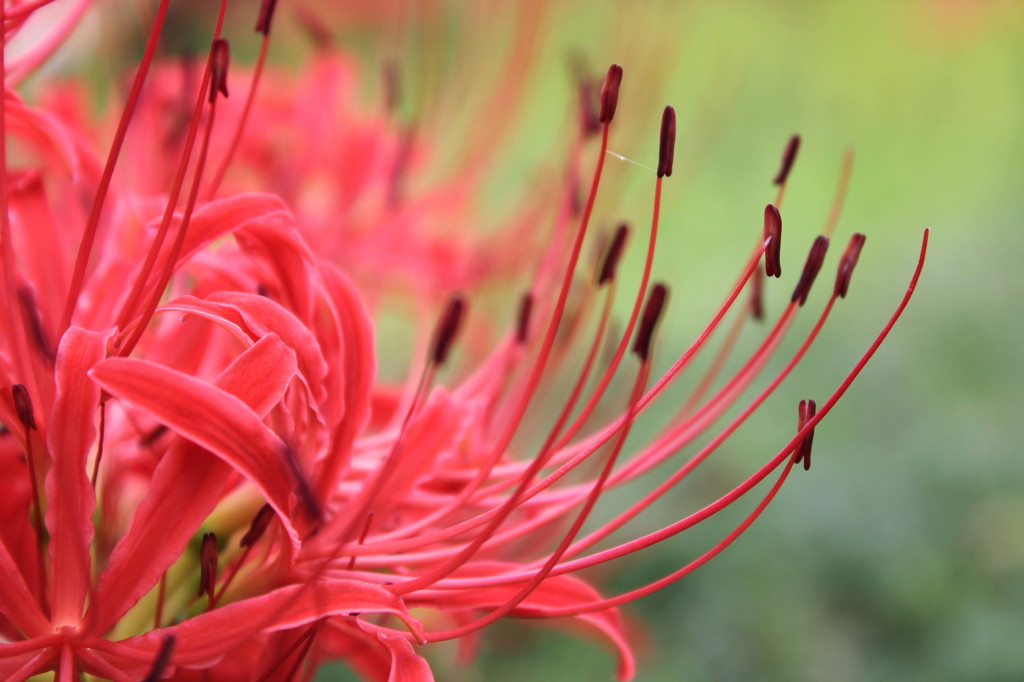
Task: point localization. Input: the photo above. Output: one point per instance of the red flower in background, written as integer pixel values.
(203, 475)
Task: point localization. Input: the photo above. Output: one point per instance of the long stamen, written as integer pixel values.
(757, 477)
(6, 247)
(263, 24)
(362, 539)
(606, 275)
(667, 138)
(131, 303)
(302, 644)
(161, 595)
(89, 235)
(392, 544)
(609, 103)
(666, 155)
(667, 444)
(645, 334)
(99, 443)
(218, 64)
(840, 196)
(256, 530)
(674, 440)
(444, 336)
(163, 659)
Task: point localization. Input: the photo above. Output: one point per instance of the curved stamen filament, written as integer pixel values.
(89, 235)
(128, 310)
(171, 260)
(736, 493)
(218, 176)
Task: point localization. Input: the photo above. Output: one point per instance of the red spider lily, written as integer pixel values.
(204, 479)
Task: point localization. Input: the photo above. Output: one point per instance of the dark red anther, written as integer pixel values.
(220, 58)
(812, 267)
(447, 329)
(788, 157)
(667, 147)
(610, 94)
(302, 487)
(652, 313)
(590, 122)
(847, 263)
(805, 412)
(162, 660)
(34, 323)
(389, 78)
(757, 294)
(613, 255)
(318, 32)
(773, 252)
(266, 14)
(523, 318)
(148, 439)
(23, 406)
(258, 526)
(208, 565)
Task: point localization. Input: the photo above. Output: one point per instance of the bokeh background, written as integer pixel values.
(900, 555)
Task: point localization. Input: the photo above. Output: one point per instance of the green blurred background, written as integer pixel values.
(899, 556)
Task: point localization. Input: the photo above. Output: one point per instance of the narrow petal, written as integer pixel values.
(279, 247)
(406, 664)
(186, 486)
(349, 347)
(69, 493)
(209, 417)
(554, 594)
(218, 218)
(261, 315)
(16, 602)
(207, 637)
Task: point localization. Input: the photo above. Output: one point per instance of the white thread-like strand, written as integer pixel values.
(627, 160)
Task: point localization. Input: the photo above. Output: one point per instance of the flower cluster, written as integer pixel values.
(202, 473)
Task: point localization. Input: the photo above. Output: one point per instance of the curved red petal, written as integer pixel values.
(70, 495)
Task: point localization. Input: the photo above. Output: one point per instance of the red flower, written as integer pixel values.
(203, 476)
